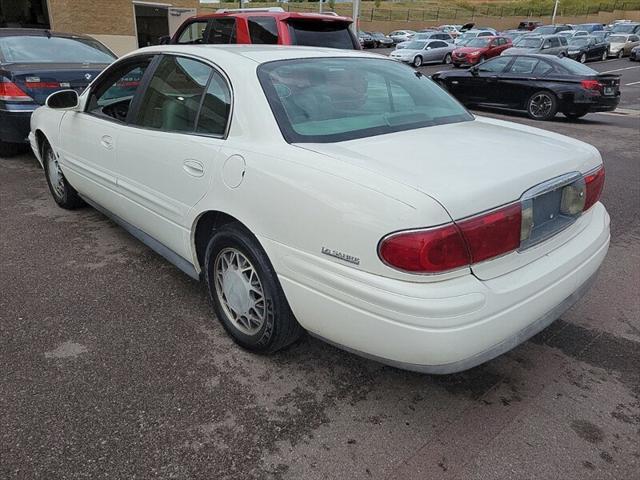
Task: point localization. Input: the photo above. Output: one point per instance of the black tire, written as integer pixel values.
(621, 53)
(8, 149)
(417, 62)
(583, 58)
(481, 59)
(279, 328)
(605, 55)
(447, 59)
(562, 55)
(542, 105)
(63, 193)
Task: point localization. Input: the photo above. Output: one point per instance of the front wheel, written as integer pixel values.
(481, 59)
(447, 59)
(583, 58)
(63, 193)
(605, 54)
(246, 293)
(621, 53)
(417, 62)
(542, 105)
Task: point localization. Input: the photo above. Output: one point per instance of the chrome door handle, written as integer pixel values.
(107, 142)
(193, 168)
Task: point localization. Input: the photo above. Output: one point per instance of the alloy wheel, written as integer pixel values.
(56, 178)
(583, 58)
(604, 55)
(540, 105)
(417, 62)
(447, 59)
(240, 292)
(620, 53)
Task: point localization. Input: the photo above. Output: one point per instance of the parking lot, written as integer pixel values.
(113, 365)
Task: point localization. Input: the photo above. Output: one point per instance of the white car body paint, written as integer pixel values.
(301, 199)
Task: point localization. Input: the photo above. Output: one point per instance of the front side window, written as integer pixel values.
(172, 99)
(337, 99)
(321, 34)
(193, 33)
(222, 31)
(263, 30)
(494, 65)
(525, 42)
(113, 93)
(554, 42)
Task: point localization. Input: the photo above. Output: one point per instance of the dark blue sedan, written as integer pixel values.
(36, 63)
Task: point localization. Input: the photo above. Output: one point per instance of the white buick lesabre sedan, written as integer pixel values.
(336, 192)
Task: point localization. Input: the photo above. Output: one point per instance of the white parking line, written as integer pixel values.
(620, 69)
(632, 83)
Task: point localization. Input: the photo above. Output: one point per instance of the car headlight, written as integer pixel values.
(474, 54)
(573, 52)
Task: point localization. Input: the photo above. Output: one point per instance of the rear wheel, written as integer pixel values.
(605, 54)
(542, 105)
(583, 58)
(447, 59)
(245, 291)
(63, 193)
(417, 62)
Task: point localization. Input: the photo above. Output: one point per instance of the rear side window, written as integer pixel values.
(222, 30)
(216, 105)
(193, 33)
(321, 34)
(563, 41)
(523, 65)
(263, 30)
(172, 99)
(543, 68)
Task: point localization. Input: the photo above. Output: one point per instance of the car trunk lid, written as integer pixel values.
(468, 167)
(41, 80)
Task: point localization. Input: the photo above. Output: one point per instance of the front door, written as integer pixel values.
(483, 86)
(167, 153)
(89, 139)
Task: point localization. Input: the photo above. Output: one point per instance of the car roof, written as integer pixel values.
(280, 15)
(252, 54)
(37, 32)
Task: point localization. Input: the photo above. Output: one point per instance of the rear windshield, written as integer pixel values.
(336, 99)
(525, 42)
(321, 34)
(32, 49)
(576, 68)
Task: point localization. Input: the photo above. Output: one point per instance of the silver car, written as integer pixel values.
(422, 36)
(401, 35)
(542, 44)
(418, 52)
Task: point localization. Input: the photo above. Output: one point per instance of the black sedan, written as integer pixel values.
(583, 49)
(382, 40)
(33, 65)
(541, 85)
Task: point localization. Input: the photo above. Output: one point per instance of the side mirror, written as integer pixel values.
(63, 100)
(164, 40)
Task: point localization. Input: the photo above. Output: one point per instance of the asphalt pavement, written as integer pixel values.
(113, 365)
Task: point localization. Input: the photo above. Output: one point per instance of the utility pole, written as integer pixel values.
(320, 6)
(356, 14)
(555, 10)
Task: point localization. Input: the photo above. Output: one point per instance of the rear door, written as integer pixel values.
(89, 139)
(167, 153)
(520, 78)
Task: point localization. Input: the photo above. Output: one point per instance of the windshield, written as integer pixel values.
(624, 28)
(528, 42)
(617, 39)
(587, 27)
(548, 30)
(32, 49)
(336, 99)
(414, 45)
(422, 36)
(578, 42)
(478, 42)
(321, 34)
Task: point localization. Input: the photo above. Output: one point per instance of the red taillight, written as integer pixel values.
(595, 184)
(591, 85)
(494, 233)
(43, 85)
(9, 91)
(425, 251)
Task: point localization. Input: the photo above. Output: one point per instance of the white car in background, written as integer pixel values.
(621, 44)
(399, 36)
(422, 36)
(334, 191)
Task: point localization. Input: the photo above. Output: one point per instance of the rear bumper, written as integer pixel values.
(593, 103)
(439, 327)
(14, 126)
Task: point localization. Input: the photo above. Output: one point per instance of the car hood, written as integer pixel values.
(468, 167)
(519, 50)
(470, 49)
(617, 45)
(405, 51)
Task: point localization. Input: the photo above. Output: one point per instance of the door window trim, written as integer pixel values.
(144, 83)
